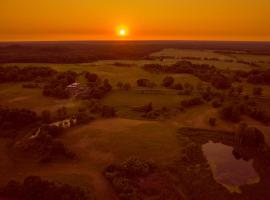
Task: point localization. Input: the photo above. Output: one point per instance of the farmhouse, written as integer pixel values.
(75, 88)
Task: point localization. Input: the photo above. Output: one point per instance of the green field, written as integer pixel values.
(105, 141)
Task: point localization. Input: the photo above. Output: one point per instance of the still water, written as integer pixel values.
(226, 169)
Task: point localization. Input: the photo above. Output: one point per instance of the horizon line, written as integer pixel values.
(126, 40)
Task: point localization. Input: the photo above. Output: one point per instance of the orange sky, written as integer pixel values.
(145, 19)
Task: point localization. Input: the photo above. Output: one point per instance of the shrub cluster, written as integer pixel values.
(34, 188)
(124, 177)
(233, 110)
(123, 86)
(16, 118)
(249, 136)
(168, 81)
(56, 86)
(203, 71)
(44, 147)
(145, 83)
(97, 89)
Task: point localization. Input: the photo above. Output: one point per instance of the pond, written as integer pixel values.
(226, 169)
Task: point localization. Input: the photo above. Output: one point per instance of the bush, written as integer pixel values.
(168, 81)
(119, 85)
(191, 102)
(143, 82)
(212, 121)
(220, 82)
(257, 91)
(249, 136)
(91, 77)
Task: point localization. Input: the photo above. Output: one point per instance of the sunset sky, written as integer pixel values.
(144, 19)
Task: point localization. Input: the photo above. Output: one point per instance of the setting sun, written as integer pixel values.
(122, 31)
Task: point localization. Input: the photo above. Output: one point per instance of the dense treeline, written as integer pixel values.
(232, 111)
(21, 74)
(203, 71)
(56, 87)
(73, 53)
(82, 52)
(34, 188)
(16, 118)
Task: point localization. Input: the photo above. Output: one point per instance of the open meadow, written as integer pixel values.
(137, 127)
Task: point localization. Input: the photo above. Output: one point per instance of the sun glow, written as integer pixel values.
(122, 31)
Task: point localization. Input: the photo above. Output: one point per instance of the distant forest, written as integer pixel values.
(89, 51)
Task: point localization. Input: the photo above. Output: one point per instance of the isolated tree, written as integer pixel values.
(168, 81)
(221, 82)
(91, 77)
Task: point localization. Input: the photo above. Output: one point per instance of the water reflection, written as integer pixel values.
(228, 170)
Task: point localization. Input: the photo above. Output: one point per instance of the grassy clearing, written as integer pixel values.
(103, 142)
(117, 139)
(14, 95)
(177, 54)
